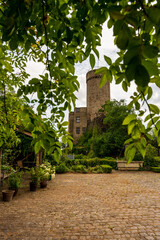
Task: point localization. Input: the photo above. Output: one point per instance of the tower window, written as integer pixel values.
(78, 119)
(83, 130)
(77, 130)
(77, 109)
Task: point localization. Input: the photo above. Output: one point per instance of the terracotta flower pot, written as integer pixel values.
(7, 195)
(43, 184)
(33, 186)
(15, 191)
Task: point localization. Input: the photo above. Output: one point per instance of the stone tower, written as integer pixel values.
(82, 117)
(96, 96)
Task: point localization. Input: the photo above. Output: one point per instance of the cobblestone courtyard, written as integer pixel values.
(121, 205)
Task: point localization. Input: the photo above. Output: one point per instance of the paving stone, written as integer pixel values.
(121, 205)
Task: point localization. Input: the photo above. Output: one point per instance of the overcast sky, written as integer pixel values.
(107, 48)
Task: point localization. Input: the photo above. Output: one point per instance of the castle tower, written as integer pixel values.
(96, 96)
(81, 117)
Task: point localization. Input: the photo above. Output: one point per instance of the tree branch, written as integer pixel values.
(149, 110)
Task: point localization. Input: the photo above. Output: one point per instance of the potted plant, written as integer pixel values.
(43, 176)
(14, 181)
(34, 173)
(51, 172)
(7, 195)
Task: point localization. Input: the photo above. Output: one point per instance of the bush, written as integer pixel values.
(106, 168)
(93, 162)
(96, 169)
(79, 169)
(108, 161)
(149, 160)
(79, 156)
(62, 168)
(156, 169)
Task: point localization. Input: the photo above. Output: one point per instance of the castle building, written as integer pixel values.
(96, 97)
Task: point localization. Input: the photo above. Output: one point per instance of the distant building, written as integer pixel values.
(96, 97)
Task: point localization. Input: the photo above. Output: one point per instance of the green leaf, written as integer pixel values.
(103, 81)
(13, 44)
(92, 60)
(56, 156)
(101, 70)
(131, 70)
(141, 76)
(109, 75)
(108, 60)
(128, 141)
(129, 118)
(143, 141)
(141, 149)
(131, 126)
(124, 86)
(151, 67)
(37, 147)
(150, 92)
(34, 81)
(152, 121)
(119, 80)
(154, 14)
(116, 15)
(19, 92)
(148, 117)
(110, 23)
(136, 134)
(122, 40)
(130, 54)
(150, 51)
(154, 108)
(158, 125)
(28, 45)
(64, 139)
(130, 153)
(70, 143)
(65, 123)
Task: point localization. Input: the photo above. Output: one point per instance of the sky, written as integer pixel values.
(107, 48)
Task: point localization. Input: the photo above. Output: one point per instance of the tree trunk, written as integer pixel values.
(0, 167)
(37, 159)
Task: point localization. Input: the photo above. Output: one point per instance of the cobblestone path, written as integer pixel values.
(121, 205)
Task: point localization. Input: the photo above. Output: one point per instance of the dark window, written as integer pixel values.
(83, 130)
(78, 130)
(77, 109)
(78, 119)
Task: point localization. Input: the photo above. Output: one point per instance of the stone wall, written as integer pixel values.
(78, 122)
(96, 96)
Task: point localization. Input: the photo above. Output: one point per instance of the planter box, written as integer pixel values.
(123, 166)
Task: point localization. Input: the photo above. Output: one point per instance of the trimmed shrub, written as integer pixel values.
(108, 161)
(61, 168)
(93, 162)
(79, 156)
(106, 168)
(71, 162)
(157, 161)
(156, 169)
(96, 169)
(79, 169)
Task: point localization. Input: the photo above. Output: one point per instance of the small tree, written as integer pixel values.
(107, 137)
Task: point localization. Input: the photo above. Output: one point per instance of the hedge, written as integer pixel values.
(106, 168)
(156, 169)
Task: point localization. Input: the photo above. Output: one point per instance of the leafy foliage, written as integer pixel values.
(65, 32)
(108, 135)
